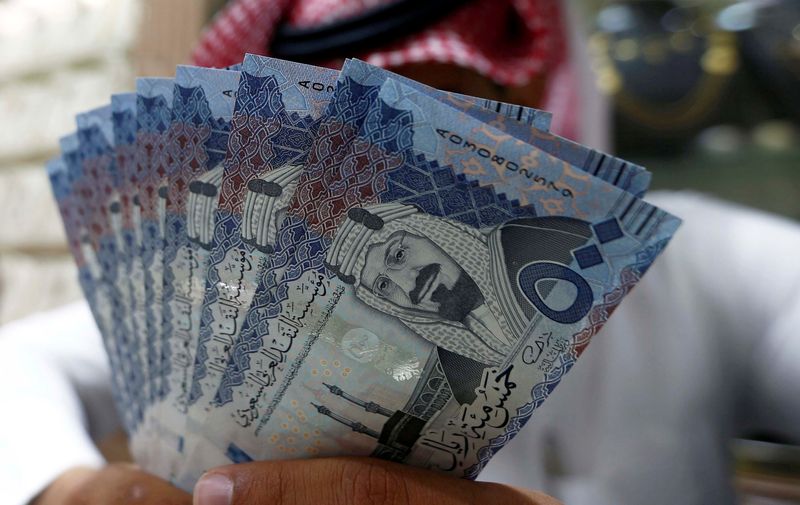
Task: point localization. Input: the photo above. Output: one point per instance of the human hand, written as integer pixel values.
(348, 481)
(115, 484)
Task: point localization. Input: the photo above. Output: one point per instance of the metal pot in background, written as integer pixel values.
(674, 69)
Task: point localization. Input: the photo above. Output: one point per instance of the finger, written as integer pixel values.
(124, 484)
(348, 481)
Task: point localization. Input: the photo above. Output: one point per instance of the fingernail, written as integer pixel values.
(213, 489)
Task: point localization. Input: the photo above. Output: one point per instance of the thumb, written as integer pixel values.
(351, 481)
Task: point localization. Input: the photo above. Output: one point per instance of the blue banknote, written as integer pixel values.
(439, 278)
(309, 89)
(241, 393)
(71, 189)
(100, 173)
(526, 118)
(515, 121)
(153, 159)
(123, 119)
(277, 108)
(202, 106)
(256, 222)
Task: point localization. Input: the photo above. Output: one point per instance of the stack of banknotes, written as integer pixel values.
(287, 261)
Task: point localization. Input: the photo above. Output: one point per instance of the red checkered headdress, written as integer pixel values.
(508, 41)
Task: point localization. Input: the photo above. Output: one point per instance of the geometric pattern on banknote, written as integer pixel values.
(225, 238)
(190, 132)
(151, 235)
(256, 121)
(154, 157)
(629, 276)
(68, 203)
(352, 177)
(369, 170)
(74, 200)
(323, 196)
(62, 180)
(124, 122)
(202, 140)
(154, 118)
(155, 364)
(366, 175)
(99, 168)
(347, 110)
(598, 316)
(135, 176)
(349, 104)
(176, 239)
(266, 304)
(264, 136)
(61, 184)
(73, 212)
(98, 162)
(217, 143)
(75, 216)
(191, 129)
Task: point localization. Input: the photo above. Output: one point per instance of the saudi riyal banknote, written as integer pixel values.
(102, 178)
(260, 215)
(202, 108)
(287, 261)
(153, 159)
(440, 277)
(241, 393)
(284, 94)
(516, 121)
(123, 119)
(73, 194)
(277, 107)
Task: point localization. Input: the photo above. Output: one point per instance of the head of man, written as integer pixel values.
(429, 272)
(411, 271)
(521, 53)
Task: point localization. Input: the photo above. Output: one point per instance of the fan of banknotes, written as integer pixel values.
(286, 261)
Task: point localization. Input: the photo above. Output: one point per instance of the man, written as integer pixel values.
(704, 347)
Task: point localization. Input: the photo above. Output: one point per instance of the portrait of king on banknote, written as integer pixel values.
(470, 292)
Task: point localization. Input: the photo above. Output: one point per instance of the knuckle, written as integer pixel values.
(134, 493)
(367, 483)
(126, 485)
(273, 486)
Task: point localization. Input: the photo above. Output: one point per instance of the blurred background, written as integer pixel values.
(724, 119)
